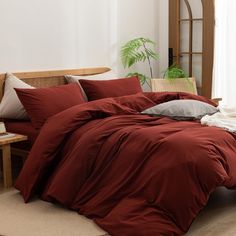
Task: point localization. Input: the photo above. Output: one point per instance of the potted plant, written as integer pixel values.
(174, 71)
(175, 79)
(139, 50)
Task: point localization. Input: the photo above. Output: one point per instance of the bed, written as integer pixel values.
(132, 173)
(39, 79)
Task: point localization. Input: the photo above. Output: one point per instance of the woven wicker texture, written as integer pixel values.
(175, 85)
(50, 78)
(45, 82)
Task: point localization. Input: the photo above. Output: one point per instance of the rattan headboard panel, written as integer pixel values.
(51, 78)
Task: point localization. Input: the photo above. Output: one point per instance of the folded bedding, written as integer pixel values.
(133, 174)
(225, 118)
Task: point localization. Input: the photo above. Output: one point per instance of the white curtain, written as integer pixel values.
(224, 82)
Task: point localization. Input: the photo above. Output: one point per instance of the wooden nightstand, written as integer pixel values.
(5, 145)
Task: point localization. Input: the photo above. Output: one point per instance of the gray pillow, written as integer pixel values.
(182, 109)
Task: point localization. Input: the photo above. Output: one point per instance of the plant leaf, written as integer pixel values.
(137, 50)
(174, 71)
(143, 78)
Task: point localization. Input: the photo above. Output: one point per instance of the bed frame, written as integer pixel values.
(48, 79)
(40, 79)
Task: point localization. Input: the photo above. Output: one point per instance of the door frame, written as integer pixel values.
(208, 40)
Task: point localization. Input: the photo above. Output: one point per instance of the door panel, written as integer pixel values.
(191, 39)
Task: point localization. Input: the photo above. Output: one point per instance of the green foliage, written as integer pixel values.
(137, 50)
(143, 78)
(174, 71)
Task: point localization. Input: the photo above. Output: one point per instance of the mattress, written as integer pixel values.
(25, 128)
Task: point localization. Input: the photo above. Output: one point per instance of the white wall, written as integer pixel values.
(93, 32)
(138, 18)
(163, 35)
(58, 34)
(37, 34)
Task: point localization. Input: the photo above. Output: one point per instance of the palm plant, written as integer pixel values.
(139, 50)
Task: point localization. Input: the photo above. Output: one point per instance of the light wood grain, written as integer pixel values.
(16, 138)
(51, 78)
(216, 100)
(208, 46)
(175, 85)
(6, 157)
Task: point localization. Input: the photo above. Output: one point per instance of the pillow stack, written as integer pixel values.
(105, 85)
(23, 102)
(76, 79)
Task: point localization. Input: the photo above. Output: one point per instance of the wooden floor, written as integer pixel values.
(217, 219)
(219, 216)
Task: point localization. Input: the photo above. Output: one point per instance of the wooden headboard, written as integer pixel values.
(50, 78)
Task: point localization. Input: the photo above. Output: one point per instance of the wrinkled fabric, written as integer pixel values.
(225, 119)
(132, 174)
(220, 120)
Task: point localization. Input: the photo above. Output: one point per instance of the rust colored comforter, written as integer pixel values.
(132, 174)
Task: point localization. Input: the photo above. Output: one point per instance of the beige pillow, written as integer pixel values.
(10, 106)
(104, 76)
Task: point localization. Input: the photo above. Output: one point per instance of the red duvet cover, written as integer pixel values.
(132, 174)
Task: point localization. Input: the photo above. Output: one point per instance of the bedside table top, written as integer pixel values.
(14, 139)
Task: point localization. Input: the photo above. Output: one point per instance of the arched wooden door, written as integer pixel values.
(191, 39)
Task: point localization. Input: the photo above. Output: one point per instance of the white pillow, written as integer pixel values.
(104, 76)
(10, 106)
